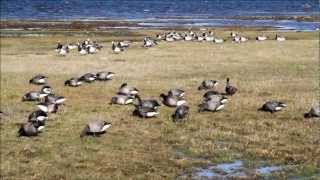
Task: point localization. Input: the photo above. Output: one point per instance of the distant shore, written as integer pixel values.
(159, 23)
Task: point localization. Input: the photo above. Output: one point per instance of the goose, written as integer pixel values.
(170, 39)
(210, 93)
(211, 105)
(180, 113)
(59, 47)
(236, 39)
(64, 51)
(124, 44)
(116, 48)
(73, 82)
(51, 98)
(147, 42)
(29, 129)
(280, 38)
(122, 99)
(72, 46)
(233, 34)
(261, 38)
(171, 101)
(125, 89)
(208, 84)
(218, 41)
(105, 76)
(38, 118)
(145, 112)
(48, 107)
(34, 96)
(88, 78)
(47, 90)
(314, 112)
(230, 90)
(216, 97)
(95, 128)
(91, 49)
(149, 103)
(176, 92)
(188, 37)
(272, 106)
(38, 115)
(82, 50)
(209, 38)
(243, 39)
(38, 80)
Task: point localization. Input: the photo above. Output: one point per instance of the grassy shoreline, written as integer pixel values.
(147, 149)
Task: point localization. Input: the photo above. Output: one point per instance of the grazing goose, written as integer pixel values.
(211, 105)
(95, 128)
(72, 46)
(314, 112)
(172, 101)
(272, 106)
(116, 47)
(208, 84)
(243, 39)
(38, 80)
(88, 77)
(125, 89)
(105, 76)
(122, 99)
(215, 97)
(124, 44)
(230, 90)
(149, 103)
(180, 113)
(280, 38)
(209, 38)
(73, 82)
(176, 92)
(29, 129)
(36, 95)
(38, 115)
(53, 99)
(48, 107)
(170, 39)
(145, 112)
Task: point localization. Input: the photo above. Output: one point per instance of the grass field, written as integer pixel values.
(158, 148)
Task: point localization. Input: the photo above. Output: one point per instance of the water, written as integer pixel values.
(145, 10)
(234, 169)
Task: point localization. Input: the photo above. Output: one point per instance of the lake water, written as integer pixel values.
(165, 12)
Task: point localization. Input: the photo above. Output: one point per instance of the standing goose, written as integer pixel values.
(272, 106)
(29, 129)
(176, 92)
(82, 50)
(149, 103)
(145, 112)
(38, 80)
(314, 112)
(95, 128)
(73, 82)
(208, 84)
(211, 105)
(122, 99)
(88, 77)
(59, 47)
(116, 47)
(64, 51)
(171, 101)
(125, 89)
(180, 113)
(104, 76)
(230, 90)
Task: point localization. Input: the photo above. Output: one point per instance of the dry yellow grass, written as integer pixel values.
(146, 149)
